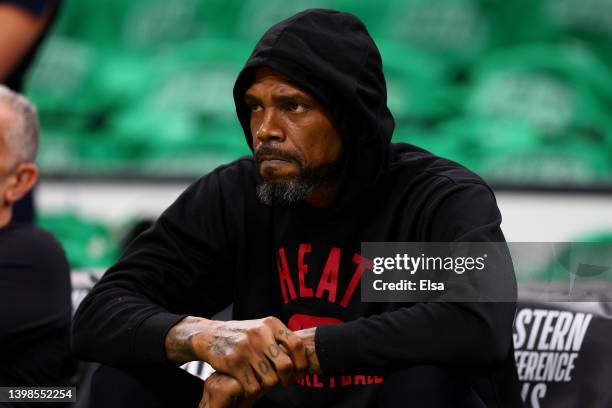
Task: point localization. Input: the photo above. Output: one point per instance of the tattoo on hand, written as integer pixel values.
(180, 341)
(263, 367)
(273, 350)
(221, 344)
(245, 375)
(285, 333)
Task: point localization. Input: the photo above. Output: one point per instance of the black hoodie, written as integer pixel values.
(218, 245)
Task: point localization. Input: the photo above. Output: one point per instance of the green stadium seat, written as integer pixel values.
(459, 30)
(88, 244)
(557, 88)
(514, 151)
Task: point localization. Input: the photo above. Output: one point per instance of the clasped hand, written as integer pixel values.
(250, 357)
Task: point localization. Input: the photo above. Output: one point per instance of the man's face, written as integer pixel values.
(294, 139)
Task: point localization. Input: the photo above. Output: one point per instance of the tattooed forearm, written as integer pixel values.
(179, 340)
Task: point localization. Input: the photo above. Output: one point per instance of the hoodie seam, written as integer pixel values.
(358, 80)
(278, 37)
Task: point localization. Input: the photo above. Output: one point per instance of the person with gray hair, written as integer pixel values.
(18, 148)
(35, 304)
(24, 131)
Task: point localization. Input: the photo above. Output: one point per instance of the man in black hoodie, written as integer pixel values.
(280, 235)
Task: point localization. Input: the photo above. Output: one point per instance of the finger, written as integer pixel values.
(239, 367)
(203, 403)
(265, 369)
(262, 363)
(294, 346)
(221, 401)
(248, 380)
(281, 361)
(262, 339)
(221, 390)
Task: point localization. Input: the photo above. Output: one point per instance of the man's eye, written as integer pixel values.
(297, 107)
(255, 108)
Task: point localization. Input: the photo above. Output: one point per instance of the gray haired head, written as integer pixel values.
(22, 134)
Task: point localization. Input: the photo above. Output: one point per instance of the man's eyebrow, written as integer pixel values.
(285, 97)
(249, 98)
(290, 97)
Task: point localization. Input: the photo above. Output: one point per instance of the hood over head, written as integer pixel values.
(332, 56)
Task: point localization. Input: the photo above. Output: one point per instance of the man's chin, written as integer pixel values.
(283, 191)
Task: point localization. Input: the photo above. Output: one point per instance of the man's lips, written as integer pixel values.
(270, 166)
(273, 160)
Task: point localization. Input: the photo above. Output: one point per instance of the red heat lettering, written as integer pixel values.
(329, 278)
(283, 274)
(362, 264)
(303, 270)
(360, 379)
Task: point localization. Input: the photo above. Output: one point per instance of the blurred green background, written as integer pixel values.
(519, 91)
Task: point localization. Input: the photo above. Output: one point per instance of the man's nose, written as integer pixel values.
(270, 129)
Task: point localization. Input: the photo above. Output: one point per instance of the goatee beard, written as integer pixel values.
(290, 191)
(284, 192)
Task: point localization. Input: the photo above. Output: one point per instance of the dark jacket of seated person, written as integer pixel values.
(35, 309)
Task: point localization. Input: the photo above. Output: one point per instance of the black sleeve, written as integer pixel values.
(34, 289)
(474, 335)
(34, 7)
(181, 266)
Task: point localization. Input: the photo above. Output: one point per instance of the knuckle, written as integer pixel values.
(270, 320)
(254, 332)
(242, 342)
(211, 386)
(301, 363)
(269, 382)
(233, 361)
(302, 366)
(252, 390)
(243, 345)
(284, 365)
(295, 343)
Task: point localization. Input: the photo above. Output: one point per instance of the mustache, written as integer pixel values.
(264, 151)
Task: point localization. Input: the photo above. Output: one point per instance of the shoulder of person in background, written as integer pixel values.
(32, 242)
(35, 308)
